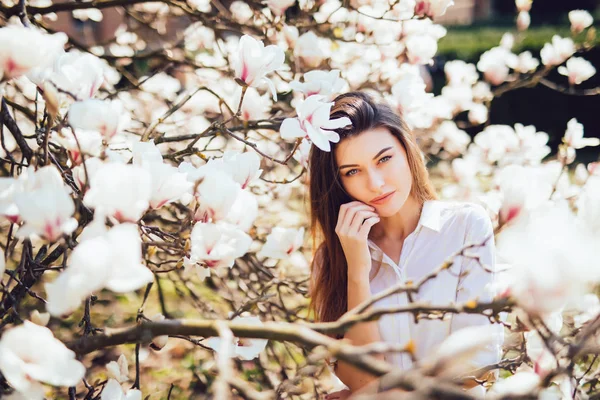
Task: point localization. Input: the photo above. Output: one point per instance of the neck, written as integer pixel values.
(400, 225)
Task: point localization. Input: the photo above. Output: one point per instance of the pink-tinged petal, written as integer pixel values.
(337, 123)
(291, 129)
(271, 88)
(330, 135)
(317, 138)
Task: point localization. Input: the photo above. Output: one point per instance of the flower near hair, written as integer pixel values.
(102, 116)
(558, 51)
(23, 49)
(218, 244)
(111, 260)
(45, 205)
(120, 191)
(577, 70)
(254, 61)
(282, 242)
(324, 83)
(30, 355)
(246, 349)
(432, 8)
(168, 184)
(580, 19)
(113, 391)
(313, 123)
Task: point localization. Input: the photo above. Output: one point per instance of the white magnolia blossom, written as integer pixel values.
(47, 208)
(241, 11)
(523, 5)
(577, 70)
(432, 8)
(219, 244)
(524, 63)
(507, 41)
(420, 49)
(243, 211)
(244, 168)
(23, 49)
(119, 370)
(519, 384)
(246, 349)
(313, 122)
(523, 21)
(574, 136)
(459, 73)
(81, 74)
(478, 114)
(496, 141)
(580, 19)
(587, 203)
(38, 318)
(324, 83)
(111, 260)
(254, 106)
(278, 7)
(120, 191)
(494, 64)
(587, 308)
(410, 97)
(558, 51)
(451, 138)
(308, 48)
(282, 242)
(550, 267)
(255, 60)
(87, 142)
(101, 116)
(113, 391)
(30, 355)
(168, 183)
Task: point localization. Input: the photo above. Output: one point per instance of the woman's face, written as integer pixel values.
(373, 164)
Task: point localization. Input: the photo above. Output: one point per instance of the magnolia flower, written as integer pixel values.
(519, 384)
(102, 116)
(524, 63)
(254, 61)
(408, 94)
(574, 136)
(111, 260)
(523, 21)
(119, 369)
(432, 8)
(309, 50)
(246, 349)
(478, 114)
(244, 168)
(168, 183)
(580, 19)
(81, 74)
(22, 49)
(92, 165)
(121, 191)
(216, 192)
(218, 244)
(578, 70)
(543, 360)
(494, 64)
(254, 106)
(243, 211)
(47, 210)
(523, 5)
(324, 83)
(587, 203)
(459, 72)
(38, 318)
(313, 122)
(507, 41)
(241, 11)
(113, 391)
(454, 140)
(420, 49)
(282, 242)
(278, 7)
(558, 51)
(30, 354)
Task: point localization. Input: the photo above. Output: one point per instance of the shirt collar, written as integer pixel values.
(431, 215)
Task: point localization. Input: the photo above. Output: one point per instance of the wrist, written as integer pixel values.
(358, 276)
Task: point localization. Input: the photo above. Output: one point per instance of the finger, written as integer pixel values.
(359, 219)
(351, 213)
(367, 225)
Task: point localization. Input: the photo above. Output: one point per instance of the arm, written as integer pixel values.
(475, 283)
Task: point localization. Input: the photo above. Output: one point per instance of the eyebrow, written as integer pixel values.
(356, 165)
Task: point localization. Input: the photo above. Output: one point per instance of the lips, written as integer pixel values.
(382, 199)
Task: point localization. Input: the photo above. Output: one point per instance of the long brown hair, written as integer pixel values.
(328, 289)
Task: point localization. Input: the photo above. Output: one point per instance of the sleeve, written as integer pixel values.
(476, 281)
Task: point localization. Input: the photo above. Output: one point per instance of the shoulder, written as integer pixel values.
(473, 217)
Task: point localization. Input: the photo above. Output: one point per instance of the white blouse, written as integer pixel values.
(444, 228)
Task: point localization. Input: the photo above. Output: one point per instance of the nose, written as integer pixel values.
(376, 181)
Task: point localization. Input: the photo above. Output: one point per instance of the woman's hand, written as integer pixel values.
(355, 220)
(341, 395)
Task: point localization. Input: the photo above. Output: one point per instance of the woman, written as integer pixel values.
(375, 213)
